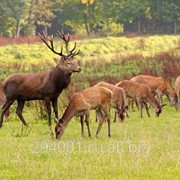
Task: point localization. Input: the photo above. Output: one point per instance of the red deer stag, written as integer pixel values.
(118, 101)
(158, 86)
(45, 85)
(142, 94)
(177, 90)
(96, 97)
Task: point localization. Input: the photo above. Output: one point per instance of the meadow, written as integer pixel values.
(140, 148)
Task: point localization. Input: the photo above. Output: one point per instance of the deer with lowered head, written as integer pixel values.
(177, 90)
(45, 85)
(118, 101)
(94, 98)
(142, 94)
(158, 86)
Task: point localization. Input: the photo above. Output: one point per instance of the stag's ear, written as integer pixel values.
(56, 120)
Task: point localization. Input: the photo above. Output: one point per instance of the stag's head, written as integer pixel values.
(59, 128)
(66, 62)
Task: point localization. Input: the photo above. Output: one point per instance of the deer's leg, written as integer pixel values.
(82, 125)
(147, 109)
(55, 107)
(101, 119)
(106, 112)
(4, 109)
(48, 108)
(87, 123)
(115, 114)
(96, 117)
(139, 101)
(19, 111)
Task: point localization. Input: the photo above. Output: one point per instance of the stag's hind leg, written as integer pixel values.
(19, 111)
(4, 109)
(48, 108)
(55, 107)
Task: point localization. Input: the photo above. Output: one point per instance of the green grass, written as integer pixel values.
(140, 148)
(146, 148)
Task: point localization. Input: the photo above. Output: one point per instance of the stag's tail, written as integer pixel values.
(2, 95)
(3, 99)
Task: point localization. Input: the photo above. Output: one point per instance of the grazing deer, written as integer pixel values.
(96, 97)
(142, 94)
(118, 101)
(158, 86)
(45, 85)
(177, 90)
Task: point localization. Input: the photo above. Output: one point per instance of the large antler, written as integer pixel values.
(46, 38)
(72, 52)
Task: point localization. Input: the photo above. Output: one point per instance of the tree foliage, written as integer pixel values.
(90, 17)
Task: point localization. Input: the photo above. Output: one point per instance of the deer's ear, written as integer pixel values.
(56, 120)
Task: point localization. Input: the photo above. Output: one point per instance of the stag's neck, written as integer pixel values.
(60, 78)
(169, 92)
(68, 114)
(153, 102)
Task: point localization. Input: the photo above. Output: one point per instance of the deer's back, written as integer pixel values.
(92, 97)
(27, 85)
(118, 94)
(152, 82)
(133, 89)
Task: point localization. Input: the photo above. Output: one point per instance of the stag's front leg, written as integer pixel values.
(19, 111)
(48, 108)
(4, 109)
(55, 107)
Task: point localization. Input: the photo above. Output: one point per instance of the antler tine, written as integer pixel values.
(70, 52)
(74, 54)
(63, 37)
(45, 37)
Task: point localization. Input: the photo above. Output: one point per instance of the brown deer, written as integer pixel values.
(45, 85)
(96, 97)
(158, 86)
(142, 94)
(118, 101)
(177, 90)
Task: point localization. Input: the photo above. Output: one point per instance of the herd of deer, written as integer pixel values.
(48, 85)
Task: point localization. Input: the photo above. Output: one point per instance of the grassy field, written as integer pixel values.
(146, 148)
(140, 148)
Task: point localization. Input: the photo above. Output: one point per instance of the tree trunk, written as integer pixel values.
(175, 27)
(17, 28)
(139, 26)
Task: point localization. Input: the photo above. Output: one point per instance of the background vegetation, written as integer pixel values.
(146, 148)
(89, 17)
